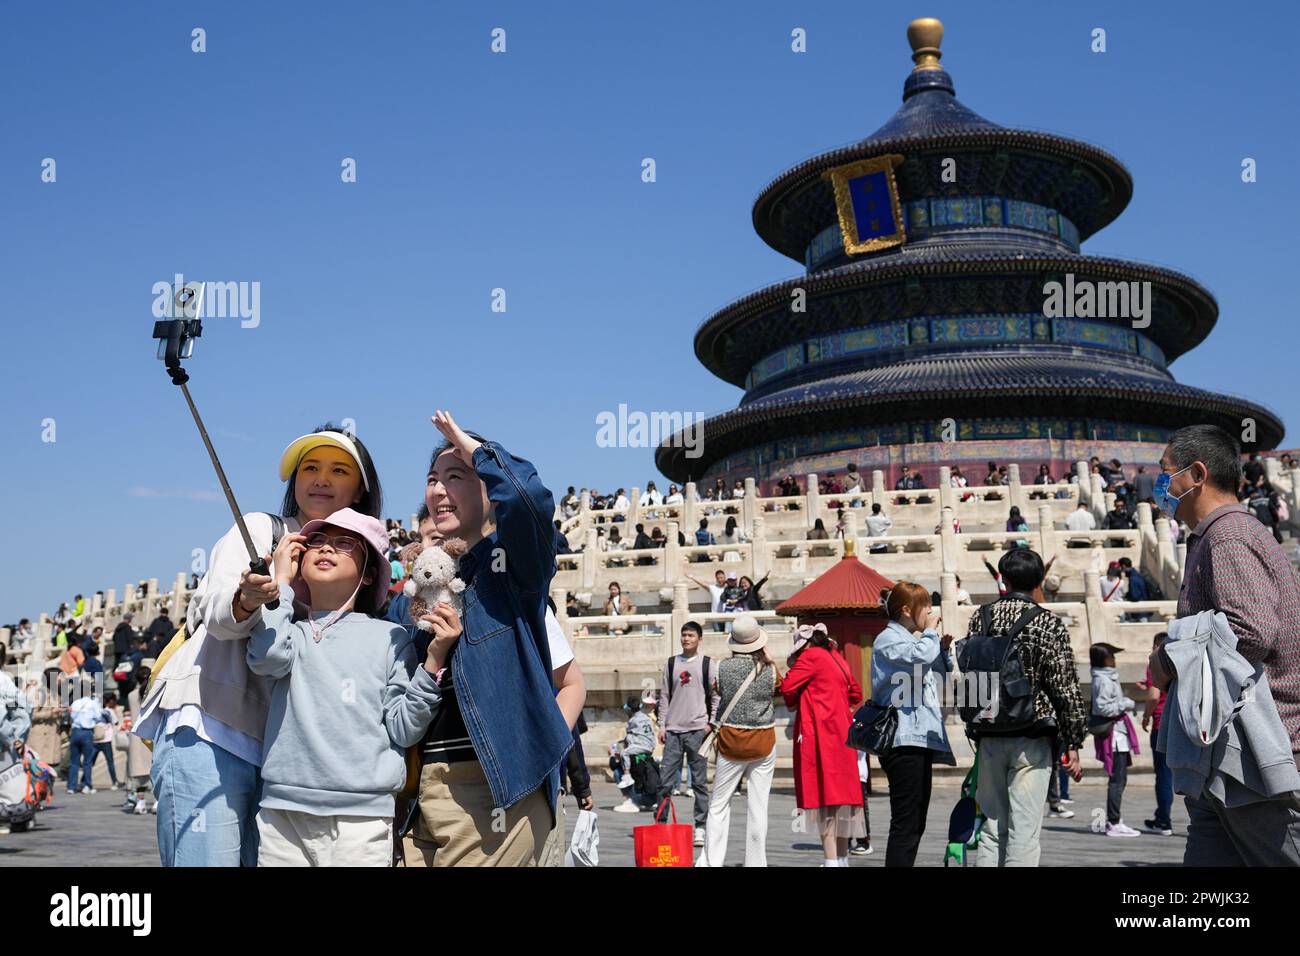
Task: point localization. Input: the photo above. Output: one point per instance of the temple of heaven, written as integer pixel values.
(947, 315)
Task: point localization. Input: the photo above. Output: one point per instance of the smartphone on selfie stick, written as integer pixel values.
(176, 342)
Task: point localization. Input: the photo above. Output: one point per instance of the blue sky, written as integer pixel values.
(520, 171)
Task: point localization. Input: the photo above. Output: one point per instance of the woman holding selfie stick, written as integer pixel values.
(206, 712)
(511, 692)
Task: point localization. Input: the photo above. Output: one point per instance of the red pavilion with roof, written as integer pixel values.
(847, 600)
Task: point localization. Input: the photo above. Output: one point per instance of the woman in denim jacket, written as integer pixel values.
(491, 758)
(905, 671)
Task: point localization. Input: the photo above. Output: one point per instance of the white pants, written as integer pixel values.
(294, 838)
(726, 778)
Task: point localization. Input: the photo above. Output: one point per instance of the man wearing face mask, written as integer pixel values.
(1234, 566)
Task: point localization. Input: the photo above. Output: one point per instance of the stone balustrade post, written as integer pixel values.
(813, 499)
(43, 641)
(1084, 482)
(877, 487)
(633, 513)
(1017, 489)
(561, 599)
(1097, 498)
(681, 613)
(179, 600)
(1047, 534)
(1097, 622)
(760, 559)
(851, 525)
(591, 554)
(110, 597)
(672, 555)
(948, 544)
(749, 507)
(947, 493)
(1148, 546)
(690, 518)
(948, 601)
(1168, 567)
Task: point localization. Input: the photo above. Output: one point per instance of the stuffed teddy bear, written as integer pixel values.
(433, 579)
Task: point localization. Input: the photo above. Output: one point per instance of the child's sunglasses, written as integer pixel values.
(343, 543)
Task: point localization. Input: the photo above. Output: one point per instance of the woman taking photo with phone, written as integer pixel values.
(898, 655)
(206, 712)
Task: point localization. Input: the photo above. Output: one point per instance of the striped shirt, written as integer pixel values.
(1234, 566)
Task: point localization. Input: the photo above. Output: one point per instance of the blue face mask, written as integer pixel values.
(1166, 502)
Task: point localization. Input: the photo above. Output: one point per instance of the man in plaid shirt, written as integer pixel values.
(1234, 566)
(1016, 766)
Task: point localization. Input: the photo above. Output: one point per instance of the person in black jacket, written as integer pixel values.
(575, 778)
(160, 632)
(750, 598)
(123, 638)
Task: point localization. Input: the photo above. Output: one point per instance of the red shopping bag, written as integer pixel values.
(664, 844)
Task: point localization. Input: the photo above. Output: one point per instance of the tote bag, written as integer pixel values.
(664, 844)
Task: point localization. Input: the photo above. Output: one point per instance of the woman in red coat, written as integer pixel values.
(821, 689)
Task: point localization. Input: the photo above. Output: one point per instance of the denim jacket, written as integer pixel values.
(501, 666)
(901, 664)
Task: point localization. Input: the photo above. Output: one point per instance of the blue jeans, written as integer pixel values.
(1164, 784)
(207, 803)
(83, 756)
(107, 751)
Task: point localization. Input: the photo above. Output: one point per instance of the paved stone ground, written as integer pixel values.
(1064, 842)
(93, 830)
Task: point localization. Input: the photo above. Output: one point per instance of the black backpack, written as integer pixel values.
(998, 694)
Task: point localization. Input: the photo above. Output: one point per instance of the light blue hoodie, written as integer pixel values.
(342, 711)
(904, 672)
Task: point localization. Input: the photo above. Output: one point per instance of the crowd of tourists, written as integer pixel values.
(425, 766)
(1238, 627)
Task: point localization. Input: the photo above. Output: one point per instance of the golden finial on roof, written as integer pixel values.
(848, 547)
(925, 35)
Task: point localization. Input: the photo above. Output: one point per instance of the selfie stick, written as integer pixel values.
(178, 337)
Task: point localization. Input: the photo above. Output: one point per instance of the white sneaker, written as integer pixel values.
(626, 782)
(677, 793)
(699, 838)
(627, 806)
(689, 792)
(1121, 830)
(141, 808)
(1061, 814)
(1065, 801)
(87, 789)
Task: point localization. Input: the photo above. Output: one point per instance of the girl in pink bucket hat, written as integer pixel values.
(349, 697)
